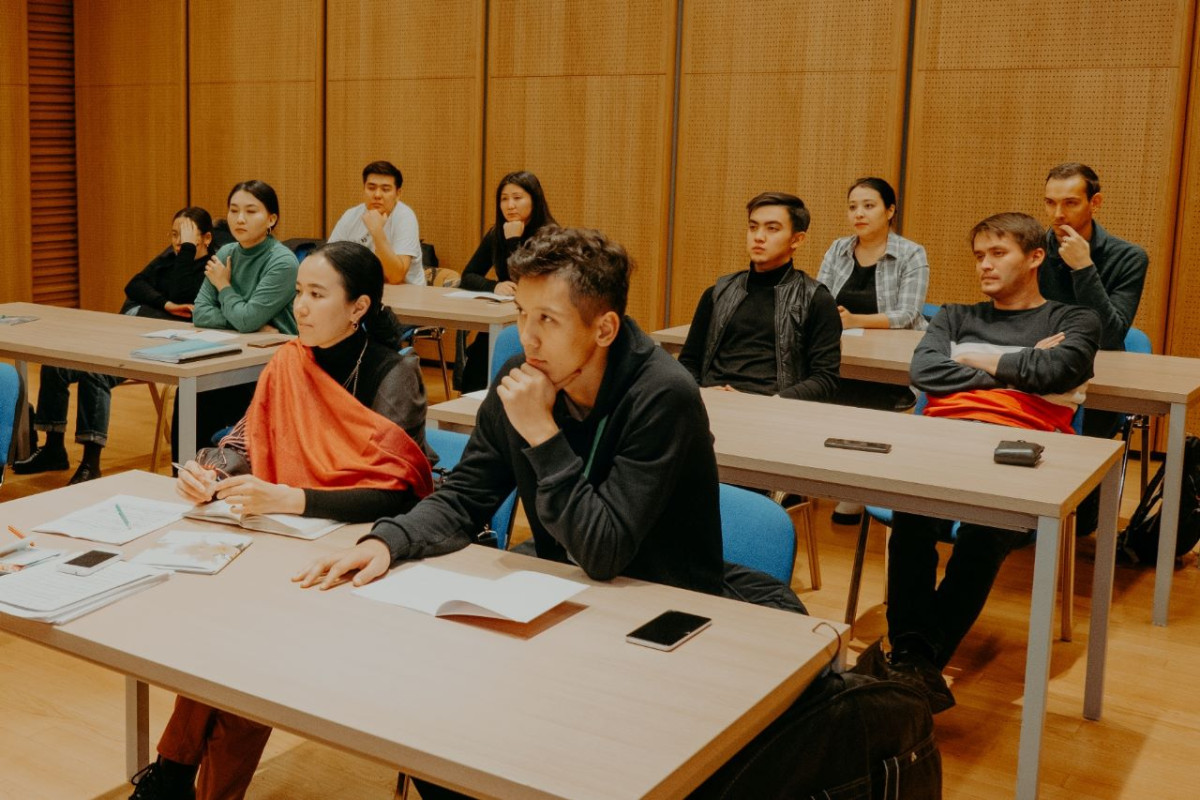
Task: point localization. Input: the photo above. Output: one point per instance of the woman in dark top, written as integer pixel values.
(324, 436)
(521, 211)
(165, 289)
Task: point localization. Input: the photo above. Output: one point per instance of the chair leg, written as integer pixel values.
(1067, 576)
(860, 553)
(162, 401)
(442, 361)
(1146, 428)
(802, 517)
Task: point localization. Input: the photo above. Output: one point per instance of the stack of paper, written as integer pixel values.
(199, 334)
(117, 520)
(469, 295)
(205, 552)
(44, 594)
(519, 596)
(15, 562)
(186, 350)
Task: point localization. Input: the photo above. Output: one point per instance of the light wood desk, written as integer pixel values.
(102, 342)
(430, 305)
(573, 712)
(937, 467)
(1131, 383)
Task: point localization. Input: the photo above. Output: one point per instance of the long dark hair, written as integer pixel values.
(203, 221)
(539, 216)
(263, 193)
(362, 274)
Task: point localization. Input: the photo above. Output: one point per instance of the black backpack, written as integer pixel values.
(1139, 540)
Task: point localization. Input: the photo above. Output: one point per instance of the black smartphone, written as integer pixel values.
(852, 444)
(668, 630)
(89, 562)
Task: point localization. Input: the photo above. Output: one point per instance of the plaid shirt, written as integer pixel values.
(901, 279)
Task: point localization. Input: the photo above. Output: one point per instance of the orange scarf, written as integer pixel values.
(1003, 407)
(306, 430)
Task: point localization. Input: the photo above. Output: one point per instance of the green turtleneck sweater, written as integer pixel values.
(262, 286)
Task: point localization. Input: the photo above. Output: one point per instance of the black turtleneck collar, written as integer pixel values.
(339, 360)
(770, 277)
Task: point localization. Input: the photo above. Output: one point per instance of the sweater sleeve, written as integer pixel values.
(933, 370)
(142, 287)
(1059, 368)
(822, 351)
(602, 526)
(1117, 303)
(276, 288)
(357, 505)
(692, 354)
(913, 283)
(474, 276)
(447, 520)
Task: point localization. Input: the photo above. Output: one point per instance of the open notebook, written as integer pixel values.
(204, 552)
(283, 524)
(519, 596)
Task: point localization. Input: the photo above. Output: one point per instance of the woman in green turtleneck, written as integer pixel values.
(248, 286)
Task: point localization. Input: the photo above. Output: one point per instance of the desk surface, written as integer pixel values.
(102, 342)
(573, 712)
(1131, 382)
(431, 305)
(937, 466)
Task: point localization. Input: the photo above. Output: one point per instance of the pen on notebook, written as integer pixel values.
(124, 518)
(12, 547)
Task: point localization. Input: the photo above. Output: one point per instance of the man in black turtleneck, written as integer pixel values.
(770, 329)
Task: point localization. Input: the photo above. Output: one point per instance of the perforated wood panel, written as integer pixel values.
(996, 103)
(256, 104)
(779, 96)
(15, 276)
(580, 94)
(404, 83)
(132, 140)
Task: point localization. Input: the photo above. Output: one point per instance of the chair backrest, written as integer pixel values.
(302, 246)
(1136, 341)
(508, 344)
(428, 255)
(930, 310)
(757, 533)
(450, 446)
(10, 385)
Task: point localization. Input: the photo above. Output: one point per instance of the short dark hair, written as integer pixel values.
(797, 213)
(1025, 231)
(1091, 180)
(885, 190)
(383, 168)
(595, 268)
(198, 215)
(263, 193)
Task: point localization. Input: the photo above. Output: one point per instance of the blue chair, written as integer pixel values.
(450, 446)
(10, 389)
(930, 310)
(508, 344)
(757, 532)
(1136, 341)
(884, 517)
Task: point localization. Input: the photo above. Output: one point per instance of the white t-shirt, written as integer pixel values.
(401, 232)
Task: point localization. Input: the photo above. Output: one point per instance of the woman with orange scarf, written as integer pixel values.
(335, 430)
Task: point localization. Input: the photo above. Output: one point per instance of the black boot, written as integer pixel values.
(49, 457)
(165, 779)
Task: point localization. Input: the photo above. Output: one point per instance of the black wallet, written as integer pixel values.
(1020, 453)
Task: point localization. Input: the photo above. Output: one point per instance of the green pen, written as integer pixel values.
(124, 518)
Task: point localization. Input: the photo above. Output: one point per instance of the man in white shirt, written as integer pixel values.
(385, 225)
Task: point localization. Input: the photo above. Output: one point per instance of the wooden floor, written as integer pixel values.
(61, 719)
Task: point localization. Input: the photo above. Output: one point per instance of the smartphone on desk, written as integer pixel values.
(88, 562)
(668, 630)
(854, 444)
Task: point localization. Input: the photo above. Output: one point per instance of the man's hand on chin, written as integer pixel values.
(528, 398)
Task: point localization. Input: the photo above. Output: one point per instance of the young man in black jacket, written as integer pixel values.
(602, 434)
(1018, 360)
(769, 329)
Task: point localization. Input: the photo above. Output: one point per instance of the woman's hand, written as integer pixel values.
(848, 320)
(370, 557)
(513, 228)
(188, 232)
(505, 289)
(218, 274)
(179, 309)
(247, 494)
(195, 483)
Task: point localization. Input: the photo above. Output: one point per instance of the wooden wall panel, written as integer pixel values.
(1183, 332)
(779, 96)
(256, 99)
(16, 275)
(420, 107)
(131, 109)
(994, 106)
(580, 94)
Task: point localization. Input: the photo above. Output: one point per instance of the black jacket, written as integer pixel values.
(647, 509)
(174, 277)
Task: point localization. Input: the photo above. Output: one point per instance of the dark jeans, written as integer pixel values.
(475, 370)
(941, 615)
(92, 410)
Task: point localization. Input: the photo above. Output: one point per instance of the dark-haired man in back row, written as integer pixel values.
(384, 225)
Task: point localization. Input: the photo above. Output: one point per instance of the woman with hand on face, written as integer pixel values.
(335, 430)
(248, 286)
(879, 280)
(521, 211)
(167, 287)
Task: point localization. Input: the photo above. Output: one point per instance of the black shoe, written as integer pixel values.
(43, 460)
(86, 472)
(846, 519)
(919, 672)
(153, 783)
